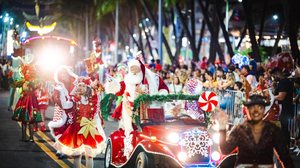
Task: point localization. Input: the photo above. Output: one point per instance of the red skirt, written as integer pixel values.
(73, 144)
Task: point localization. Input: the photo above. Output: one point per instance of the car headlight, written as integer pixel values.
(216, 138)
(215, 156)
(182, 156)
(173, 137)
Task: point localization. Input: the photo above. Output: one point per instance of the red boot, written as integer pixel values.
(43, 128)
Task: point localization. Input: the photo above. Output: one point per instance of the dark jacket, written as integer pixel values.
(251, 153)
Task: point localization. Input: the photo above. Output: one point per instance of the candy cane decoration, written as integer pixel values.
(208, 101)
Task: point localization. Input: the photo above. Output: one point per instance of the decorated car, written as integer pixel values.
(167, 133)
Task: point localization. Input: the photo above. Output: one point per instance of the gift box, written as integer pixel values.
(156, 114)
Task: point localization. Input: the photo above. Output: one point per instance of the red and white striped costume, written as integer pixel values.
(42, 98)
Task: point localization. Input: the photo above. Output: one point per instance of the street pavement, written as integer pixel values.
(17, 154)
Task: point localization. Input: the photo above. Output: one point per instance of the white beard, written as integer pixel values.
(132, 79)
(131, 82)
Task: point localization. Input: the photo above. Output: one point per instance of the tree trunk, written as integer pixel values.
(141, 44)
(279, 33)
(151, 16)
(178, 41)
(262, 21)
(193, 29)
(201, 36)
(242, 37)
(178, 47)
(218, 9)
(202, 32)
(188, 33)
(134, 40)
(212, 32)
(281, 27)
(247, 7)
(147, 40)
(293, 29)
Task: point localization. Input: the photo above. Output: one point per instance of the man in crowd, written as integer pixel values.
(284, 94)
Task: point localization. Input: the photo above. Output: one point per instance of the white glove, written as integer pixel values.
(221, 119)
(112, 86)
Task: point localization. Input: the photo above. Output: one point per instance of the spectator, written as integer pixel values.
(152, 64)
(175, 87)
(284, 94)
(255, 138)
(203, 63)
(158, 66)
(252, 63)
(245, 72)
(231, 68)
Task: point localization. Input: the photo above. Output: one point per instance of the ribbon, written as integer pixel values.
(88, 126)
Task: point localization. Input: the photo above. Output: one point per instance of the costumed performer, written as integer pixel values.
(139, 80)
(85, 134)
(16, 63)
(94, 64)
(63, 115)
(43, 102)
(26, 109)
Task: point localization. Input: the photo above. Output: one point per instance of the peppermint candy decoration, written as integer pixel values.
(208, 101)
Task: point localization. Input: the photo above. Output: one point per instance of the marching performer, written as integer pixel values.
(85, 134)
(26, 109)
(43, 100)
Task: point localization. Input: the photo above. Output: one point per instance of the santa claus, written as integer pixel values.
(139, 80)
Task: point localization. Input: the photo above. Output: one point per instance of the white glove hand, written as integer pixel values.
(112, 86)
(221, 119)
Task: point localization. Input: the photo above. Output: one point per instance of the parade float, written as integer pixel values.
(165, 135)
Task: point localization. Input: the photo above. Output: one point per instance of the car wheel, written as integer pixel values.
(143, 161)
(107, 158)
(228, 162)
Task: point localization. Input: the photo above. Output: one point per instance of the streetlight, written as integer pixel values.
(275, 17)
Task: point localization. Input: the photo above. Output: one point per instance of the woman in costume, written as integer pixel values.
(256, 139)
(26, 109)
(85, 134)
(62, 117)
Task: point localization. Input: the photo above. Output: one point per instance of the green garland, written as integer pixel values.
(106, 104)
(162, 98)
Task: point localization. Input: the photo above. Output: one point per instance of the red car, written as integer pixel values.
(167, 133)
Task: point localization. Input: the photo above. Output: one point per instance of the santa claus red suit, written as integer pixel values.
(139, 80)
